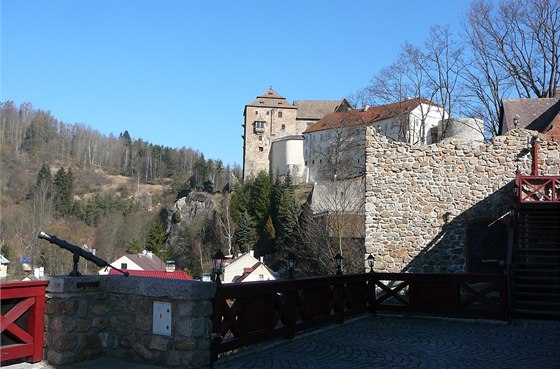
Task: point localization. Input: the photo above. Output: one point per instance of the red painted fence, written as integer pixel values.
(22, 320)
(249, 313)
(541, 189)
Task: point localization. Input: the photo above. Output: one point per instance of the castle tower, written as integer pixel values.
(266, 119)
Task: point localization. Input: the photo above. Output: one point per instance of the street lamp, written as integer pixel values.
(371, 261)
(291, 259)
(218, 261)
(338, 262)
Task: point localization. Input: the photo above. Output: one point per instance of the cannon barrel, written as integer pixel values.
(74, 249)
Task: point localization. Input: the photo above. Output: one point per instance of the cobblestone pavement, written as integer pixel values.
(405, 342)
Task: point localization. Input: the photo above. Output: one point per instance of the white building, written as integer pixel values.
(247, 268)
(146, 260)
(3, 266)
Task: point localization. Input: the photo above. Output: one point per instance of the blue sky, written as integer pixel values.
(178, 73)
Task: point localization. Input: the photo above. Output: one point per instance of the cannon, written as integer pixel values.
(77, 251)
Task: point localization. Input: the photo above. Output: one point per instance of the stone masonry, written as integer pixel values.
(419, 199)
(94, 316)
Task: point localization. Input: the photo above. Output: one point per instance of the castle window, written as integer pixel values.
(261, 148)
(283, 127)
(260, 138)
(259, 126)
(256, 112)
(279, 114)
(267, 112)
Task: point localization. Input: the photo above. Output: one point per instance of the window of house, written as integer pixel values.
(312, 161)
(259, 124)
(279, 114)
(267, 112)
(260, 138)
(256, 112)
(283, 127)
(261, 276)
(124, 265)
(261, 148)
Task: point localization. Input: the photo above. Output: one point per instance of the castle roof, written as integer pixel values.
(271, 99)
(317, 109)
(367, 115)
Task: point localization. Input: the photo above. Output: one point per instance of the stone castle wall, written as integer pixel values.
(418, 199)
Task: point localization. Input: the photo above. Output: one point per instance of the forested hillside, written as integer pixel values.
(109, 193)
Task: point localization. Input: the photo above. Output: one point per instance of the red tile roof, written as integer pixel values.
(178, 274)
(369, 115)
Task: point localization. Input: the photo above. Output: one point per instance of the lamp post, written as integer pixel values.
(218, 261)
(338, 262)
(291, 259)
(371, 261)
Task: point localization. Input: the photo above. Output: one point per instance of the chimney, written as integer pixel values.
(170, 266)
(366, 107)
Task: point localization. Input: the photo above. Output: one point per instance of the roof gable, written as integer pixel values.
(271, 99)
(146, 261)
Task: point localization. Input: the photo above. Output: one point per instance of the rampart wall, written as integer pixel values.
(418, 199)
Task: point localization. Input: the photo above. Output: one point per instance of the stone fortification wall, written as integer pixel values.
(95, 316)
(419, 199)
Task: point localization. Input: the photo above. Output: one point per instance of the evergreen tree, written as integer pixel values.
(44, 177)
(245, 235)
(155, 240)
(63, 191)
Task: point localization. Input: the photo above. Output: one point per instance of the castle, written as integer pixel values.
(316, 139)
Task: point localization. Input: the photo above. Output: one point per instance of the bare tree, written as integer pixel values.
(515, 48)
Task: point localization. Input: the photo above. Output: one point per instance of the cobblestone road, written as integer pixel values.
(403, 342)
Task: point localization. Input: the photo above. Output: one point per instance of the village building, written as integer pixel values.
(247, 268)
(145, 260)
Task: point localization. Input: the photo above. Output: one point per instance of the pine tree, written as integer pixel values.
(63, 191)
(155, 240)
(245, 235)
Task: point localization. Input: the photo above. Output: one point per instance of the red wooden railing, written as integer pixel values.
(22, 320)
(533, 189)
(249, 313)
